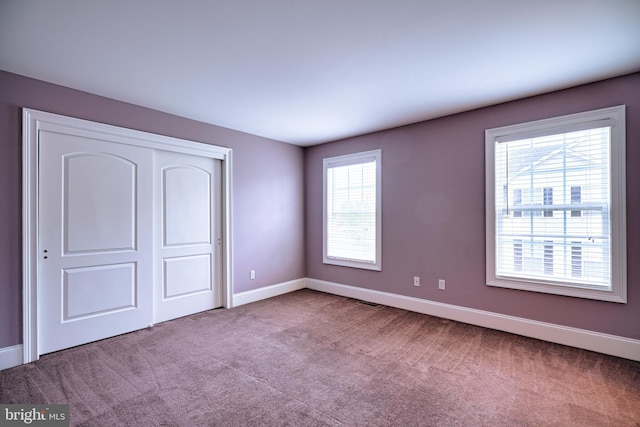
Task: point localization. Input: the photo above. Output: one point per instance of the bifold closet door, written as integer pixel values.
(188, 231)
(96, 254)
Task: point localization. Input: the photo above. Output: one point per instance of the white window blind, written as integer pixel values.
(352, 210)
(555, 206)
(545, 174)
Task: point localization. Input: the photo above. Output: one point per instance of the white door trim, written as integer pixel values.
(32, 122)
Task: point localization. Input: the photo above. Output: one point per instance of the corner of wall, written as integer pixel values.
(267, 292)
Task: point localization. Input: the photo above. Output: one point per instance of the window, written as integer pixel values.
(548, 201)
(548, 257)
(562, 231)
(352, 210)
(576, 199)
(517, 201)
(576, 259)
(517, 255)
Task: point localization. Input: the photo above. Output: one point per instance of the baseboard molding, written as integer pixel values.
(10, 356)
(268, 292)
(594, 341)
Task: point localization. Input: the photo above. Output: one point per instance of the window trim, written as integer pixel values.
(613, 117)
(347, 159)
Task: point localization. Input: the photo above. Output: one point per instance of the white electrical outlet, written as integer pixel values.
(441, 284)
(252, 274)
(416, 281)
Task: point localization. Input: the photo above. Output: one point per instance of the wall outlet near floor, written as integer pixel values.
(416, 281)
(441, 284)
(252, 274)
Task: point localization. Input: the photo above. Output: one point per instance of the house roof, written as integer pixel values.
(308, 72)
(577, 151)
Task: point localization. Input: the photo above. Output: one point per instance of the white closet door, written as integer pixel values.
(96, 265)
(188, 231)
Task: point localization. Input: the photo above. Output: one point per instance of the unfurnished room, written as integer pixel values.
(320, 213)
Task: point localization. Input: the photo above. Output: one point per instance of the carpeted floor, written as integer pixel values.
(313, 359)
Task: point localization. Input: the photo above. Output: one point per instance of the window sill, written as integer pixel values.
(559, 289)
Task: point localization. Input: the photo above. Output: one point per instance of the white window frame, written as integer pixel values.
(350, 159)
(613, 117)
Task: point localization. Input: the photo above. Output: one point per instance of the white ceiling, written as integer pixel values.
(312, 71)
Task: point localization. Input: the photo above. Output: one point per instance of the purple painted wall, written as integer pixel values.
(268, 209)
(433, 201)
(433, 210)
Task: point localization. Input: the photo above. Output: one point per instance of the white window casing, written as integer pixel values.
(352, 213)
(556, 205)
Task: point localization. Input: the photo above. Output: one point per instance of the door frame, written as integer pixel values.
(32, 122)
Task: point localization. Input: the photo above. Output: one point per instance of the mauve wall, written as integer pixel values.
(268, 209)
(434, 212)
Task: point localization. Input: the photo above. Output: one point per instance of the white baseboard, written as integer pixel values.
(594, 341)
(10, 356)
(268, 292)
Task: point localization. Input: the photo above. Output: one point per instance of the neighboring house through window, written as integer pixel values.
(563, 229)
(352, 210)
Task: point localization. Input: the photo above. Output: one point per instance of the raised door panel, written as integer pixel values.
(187, 205)
(100, 214)
(187, 275)
(98, 290)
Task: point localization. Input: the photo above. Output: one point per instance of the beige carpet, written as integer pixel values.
(313, 359)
